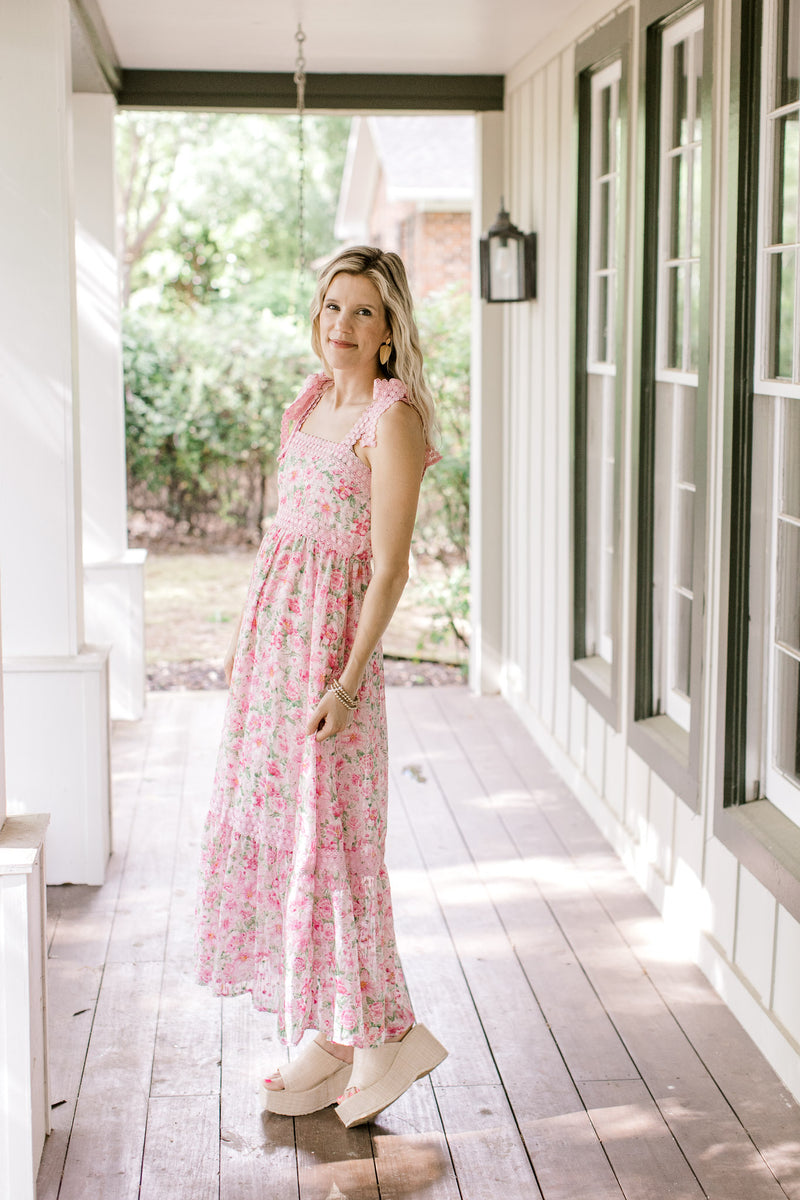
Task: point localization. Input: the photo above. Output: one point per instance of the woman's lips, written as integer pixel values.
(342, 345)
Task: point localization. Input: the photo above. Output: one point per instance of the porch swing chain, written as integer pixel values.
(300, 81)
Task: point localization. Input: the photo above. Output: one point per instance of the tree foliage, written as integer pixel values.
(205, 390)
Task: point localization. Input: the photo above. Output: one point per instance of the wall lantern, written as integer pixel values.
(508, 262)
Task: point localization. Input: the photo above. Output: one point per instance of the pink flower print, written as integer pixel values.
(337, 581)
(348, 1019)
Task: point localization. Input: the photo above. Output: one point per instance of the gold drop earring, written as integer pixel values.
(385, 351)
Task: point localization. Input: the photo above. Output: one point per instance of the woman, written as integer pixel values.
(295, 905)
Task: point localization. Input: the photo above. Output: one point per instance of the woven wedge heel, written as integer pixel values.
(312, 1081)
(384, 1072)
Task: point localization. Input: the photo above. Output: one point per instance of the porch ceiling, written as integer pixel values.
(451, 37)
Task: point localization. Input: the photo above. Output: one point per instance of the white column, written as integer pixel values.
(114, 575)
(486, 470)
(56, 690)
(24, 1100)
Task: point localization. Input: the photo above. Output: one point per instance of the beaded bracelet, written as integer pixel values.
(347, 700)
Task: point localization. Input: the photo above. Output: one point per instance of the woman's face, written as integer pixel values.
(352, 323)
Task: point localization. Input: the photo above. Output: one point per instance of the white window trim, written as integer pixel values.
(599, 82)
(675, 703)
(779, 788)
(763, 383)
(693, 22)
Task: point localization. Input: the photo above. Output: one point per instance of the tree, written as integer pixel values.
(209, 205)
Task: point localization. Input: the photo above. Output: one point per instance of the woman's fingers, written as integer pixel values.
(328, 718)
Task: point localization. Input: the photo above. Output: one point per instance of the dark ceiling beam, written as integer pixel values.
(271, 90)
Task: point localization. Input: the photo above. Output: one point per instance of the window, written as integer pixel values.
(775, 464)
(601, 63)
(678, 321)
(674, 338)
(601, 362)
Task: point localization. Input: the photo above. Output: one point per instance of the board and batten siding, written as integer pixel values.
(745, 940)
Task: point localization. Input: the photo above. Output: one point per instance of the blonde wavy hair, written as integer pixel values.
(386, 271)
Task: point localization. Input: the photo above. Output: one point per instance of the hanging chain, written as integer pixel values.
(300, 81)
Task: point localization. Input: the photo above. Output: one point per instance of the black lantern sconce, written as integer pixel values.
(508, 262)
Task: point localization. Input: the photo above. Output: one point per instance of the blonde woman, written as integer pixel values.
(294, 904)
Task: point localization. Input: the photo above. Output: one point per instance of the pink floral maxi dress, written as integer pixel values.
(294, 903)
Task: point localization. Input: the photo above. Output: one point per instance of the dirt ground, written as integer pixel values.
(193, 599)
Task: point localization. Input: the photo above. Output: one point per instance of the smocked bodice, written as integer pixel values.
(323, 486)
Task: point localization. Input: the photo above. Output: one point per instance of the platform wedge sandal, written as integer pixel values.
(383, 1073)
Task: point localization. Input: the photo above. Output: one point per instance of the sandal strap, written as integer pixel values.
(372, 1064)
(310, 1068)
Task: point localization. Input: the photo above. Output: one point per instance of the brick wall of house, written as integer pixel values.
(439, 250)
(435, 246)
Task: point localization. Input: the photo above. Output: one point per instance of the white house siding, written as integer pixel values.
(745, 940)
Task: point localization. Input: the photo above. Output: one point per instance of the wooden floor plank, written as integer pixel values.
(188, 1043)
(72, 996)
(181, 1152)
(333, 1160)
(258, 1159)
(412, 1158)
(105, 1149)
(484, 1141)
(646, 1157)
(142, 912)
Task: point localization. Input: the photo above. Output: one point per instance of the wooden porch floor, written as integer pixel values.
(587, 1060)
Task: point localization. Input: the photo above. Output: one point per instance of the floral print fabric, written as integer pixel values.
(294, 904)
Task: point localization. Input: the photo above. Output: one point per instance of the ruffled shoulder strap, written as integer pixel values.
(386, 392)
(307, 397)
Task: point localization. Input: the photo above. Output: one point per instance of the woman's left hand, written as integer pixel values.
(329, 717)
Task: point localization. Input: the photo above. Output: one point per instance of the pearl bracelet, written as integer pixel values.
(347, 700)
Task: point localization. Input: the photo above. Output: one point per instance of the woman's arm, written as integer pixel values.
(396, 463)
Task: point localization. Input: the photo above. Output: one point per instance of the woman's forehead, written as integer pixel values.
(357, 289)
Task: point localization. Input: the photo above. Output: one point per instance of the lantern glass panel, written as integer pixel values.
(505, 265)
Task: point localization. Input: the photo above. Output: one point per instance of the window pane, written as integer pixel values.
(684, 470)
(679, 133)
(682, 643)
(594, 475)
(786, 160)
(788, 83)
(684, 534)
(787, 616)
(786, 738)
(605, 132)
(694, 315)
(698, 86)
(782, 268)
(679, 166)
(790, 467)
(601, 347)
(608, 606)
(676, 286)
(697, 207)
(603, 222)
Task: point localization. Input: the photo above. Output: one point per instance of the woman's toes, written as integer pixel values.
(274, 1083)
(347, 1093)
